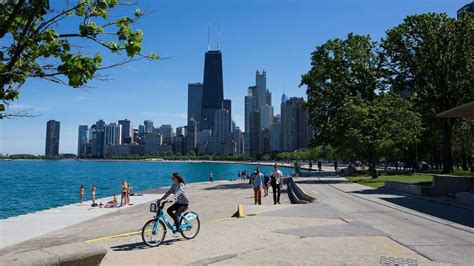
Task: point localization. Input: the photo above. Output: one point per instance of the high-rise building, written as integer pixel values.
(148, 126)
(269, 98)
(255, 132)
(52, 138)
(166, 132)
(97, 139)
(466, 8)
(191, 135)
(294, 124)
(213, 88)
(82, 140)
(238, 139)
(266, 113)
(266, 138)
(249, 107)
(227, 105)
(284, 98)
(195, 100)
(261, 84)
(221, 125)
(127, 131)
(275, 137)
(113, 134)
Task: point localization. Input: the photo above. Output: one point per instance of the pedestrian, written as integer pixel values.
(210, 177)
(266, 180)
(320, 166)
(296, 166)
(81, 193)
(124, 189)
(336, 168)
(94, 189)
(310, 165)
(276, 182)
(257, 187)
(129, 192)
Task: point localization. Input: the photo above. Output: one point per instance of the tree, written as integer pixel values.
(349, 105)
(431, 57)
(33, 46)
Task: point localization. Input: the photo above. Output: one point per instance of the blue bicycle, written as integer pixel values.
(154, 231)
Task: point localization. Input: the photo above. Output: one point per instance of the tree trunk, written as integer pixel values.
(447, 158)
(373, 165)
(469, 159)
(464, 162)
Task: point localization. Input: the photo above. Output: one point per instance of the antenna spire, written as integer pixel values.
(218, 36)
(209, 36)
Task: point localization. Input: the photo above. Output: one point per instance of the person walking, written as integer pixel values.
(266, 180)
(257, 187)
(320, 166)
(81, 193)
(276, 182)
(310, 165)
(336, 167)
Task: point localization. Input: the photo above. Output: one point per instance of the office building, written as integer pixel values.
(82, 140)
(113, 134)
(52, 138)
(166, 132)
(127, 131)
(266, 113)
(148, 126)
(213, 88)
(269, 98)
(266, 140)
(294, 125)
(275, 137)
(284, 98)
(195, 100)
(191, 135)
(227, 105)
(261, 84)
(249, 107)
(221, 129)
(255, 132)
(469, 8)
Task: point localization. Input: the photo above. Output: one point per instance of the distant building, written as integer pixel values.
(52, 138)
(275, 137)
(191, 135)
(127, 131)
(113, 134)
(468, 8)
(148, 126)
(82, 141)
(266, 138)
(249, 107)
(261, 84)
(166, 132)
(238, 138)
(269, 98)
(195, 100)
(266, 113)
(213, 88)
(255, 132)
(294, 125)
(284, 98)
(221, 128)
(227, 105)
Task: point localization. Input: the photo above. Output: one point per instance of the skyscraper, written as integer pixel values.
(113, 134)
(82, 140)
(191, 135)
(52, 138)
(261, 84)
(127, 131)
(148, 126)
(255, 132)
(284, 98)
(249, 107)
(266, 113)
(294, 124)
(227, 105)
(221, 129)
(269, 98)
(213, 88)
(166, 132)
(195, 100)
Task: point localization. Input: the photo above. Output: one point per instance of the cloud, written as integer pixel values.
(17, 107)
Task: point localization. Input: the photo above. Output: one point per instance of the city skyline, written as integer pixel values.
(148, 87)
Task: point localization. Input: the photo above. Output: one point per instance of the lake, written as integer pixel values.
(33, 185)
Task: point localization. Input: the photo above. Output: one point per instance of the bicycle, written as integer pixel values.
(154, 231)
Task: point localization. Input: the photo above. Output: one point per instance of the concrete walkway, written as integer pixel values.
(24, 227)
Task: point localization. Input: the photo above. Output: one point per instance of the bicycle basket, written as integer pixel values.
(153, 207)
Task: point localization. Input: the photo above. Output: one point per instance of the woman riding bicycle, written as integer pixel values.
(182, 201)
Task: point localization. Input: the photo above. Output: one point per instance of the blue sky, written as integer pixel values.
(274, 35)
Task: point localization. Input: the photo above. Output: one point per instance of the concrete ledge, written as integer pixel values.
(67, 255)
(292, 195)
(465, 198)
(404, 187)
(300, 193)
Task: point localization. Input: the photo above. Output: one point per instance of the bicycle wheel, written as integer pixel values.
(189, 225)
(153, 239)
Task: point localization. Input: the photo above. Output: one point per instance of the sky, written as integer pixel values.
(277, 36)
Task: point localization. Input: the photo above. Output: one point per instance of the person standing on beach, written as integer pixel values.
(123, 199)
(129, 192)
(94, 189)
(81, 193)
(210, 177)
(276, 182)
(257, 187)
(266, 180)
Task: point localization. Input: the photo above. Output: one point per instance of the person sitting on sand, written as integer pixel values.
(112, 203)
(181, 199)
(81, 193)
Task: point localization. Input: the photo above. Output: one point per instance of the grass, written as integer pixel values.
(420, 179)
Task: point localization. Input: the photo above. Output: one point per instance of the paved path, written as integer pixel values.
(351, 224)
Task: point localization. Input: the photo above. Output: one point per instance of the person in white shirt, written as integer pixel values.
(276, 178)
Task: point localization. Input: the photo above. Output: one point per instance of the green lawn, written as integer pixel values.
(422, 179)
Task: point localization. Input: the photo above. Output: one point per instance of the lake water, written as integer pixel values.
(29, 186)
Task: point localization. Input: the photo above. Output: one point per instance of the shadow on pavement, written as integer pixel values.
(141, 245)
(230, 186)
(450, 213)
